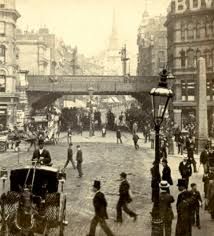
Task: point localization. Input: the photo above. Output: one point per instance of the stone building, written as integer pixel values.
(8, 65)
(190, 33)
(36, 51)
(152, 45)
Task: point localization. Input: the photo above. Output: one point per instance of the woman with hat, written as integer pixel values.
(165, 201)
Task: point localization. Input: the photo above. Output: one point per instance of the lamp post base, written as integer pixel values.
(157, 227)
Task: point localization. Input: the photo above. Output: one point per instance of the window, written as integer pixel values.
(2, 5)
(182, 32)
(2, 83)
(2, 53)
(190, 31)
(198, 29)
(2, 28)
(183, 58)
(190, 59)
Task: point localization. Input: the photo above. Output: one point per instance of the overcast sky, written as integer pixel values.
(87, 23)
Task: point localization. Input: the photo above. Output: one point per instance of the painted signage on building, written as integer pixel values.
(182, 6)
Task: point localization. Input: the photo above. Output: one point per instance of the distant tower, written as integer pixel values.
(8, 67)
(112, 64)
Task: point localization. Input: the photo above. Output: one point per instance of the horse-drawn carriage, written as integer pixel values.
(33, 205)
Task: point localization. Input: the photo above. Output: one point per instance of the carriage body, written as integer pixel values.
(33, 205)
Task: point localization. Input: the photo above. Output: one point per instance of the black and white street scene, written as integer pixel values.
(107, 118)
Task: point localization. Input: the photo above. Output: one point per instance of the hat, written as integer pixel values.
(123, 175)
(78, 146)
(70, 144)
(41, 141)
(164, 160)
(181, 183)
(97, 184)
(164, 184)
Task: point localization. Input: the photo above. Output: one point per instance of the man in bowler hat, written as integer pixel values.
(184, 205)
(79, 160)
(100, 205)
(70, 156)
(41, 155)
(124, 199)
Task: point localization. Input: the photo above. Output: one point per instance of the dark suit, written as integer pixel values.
(185, 170)
(196, 208)
(44, 157)
(204, 160)
(184, 221)
(79, 160)
(166, 175)
(70, 158)
(101, 215)
(124, 198)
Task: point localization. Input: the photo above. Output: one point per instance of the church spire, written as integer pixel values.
(113, 41)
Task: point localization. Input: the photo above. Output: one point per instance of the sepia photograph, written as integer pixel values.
(106, 117)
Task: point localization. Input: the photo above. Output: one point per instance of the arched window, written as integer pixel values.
(2, 82)
(198, 54)
(183, 29)
(190, 58)
(183, 58)
(190, 31)
(2, 53)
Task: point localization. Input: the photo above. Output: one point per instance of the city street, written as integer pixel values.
(104, 160)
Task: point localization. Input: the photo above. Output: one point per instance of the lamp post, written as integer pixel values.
(160, 99)
(90, 91)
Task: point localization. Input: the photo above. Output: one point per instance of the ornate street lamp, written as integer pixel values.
(160, 99)
(90, 91)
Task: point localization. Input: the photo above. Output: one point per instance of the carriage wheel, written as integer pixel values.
(62, 219)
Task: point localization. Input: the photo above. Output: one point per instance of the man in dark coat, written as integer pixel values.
(41, 155)
(135, 140)
(166, 213)
(190, 145)
(204, 158)
(100, 205)
(166, 173)
(79, 160)
(70, 156)
(197, 205)
(184, 209)
(180, 144)
(185, 170)
(156, 178)
(118, 135)
(124, 199)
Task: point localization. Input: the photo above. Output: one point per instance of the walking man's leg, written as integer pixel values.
(105, 227)
(93, 226)
(119, 212)
(66, 163)
(128, 211)
(168, 228)
(197, 211)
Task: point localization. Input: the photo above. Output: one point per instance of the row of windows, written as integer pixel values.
(189, 57)
(197, 30)
(2, 83)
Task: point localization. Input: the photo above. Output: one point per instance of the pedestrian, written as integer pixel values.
(184, 209)
(70, 156)
(166, 173)
(185, 170)
(180, 144)
(204, 158)
(190, 145)
(163, 148)
(210, 196)
(79, 159)
(42, 155)
(104, 131)
(100, 208)
(197, 205)
(124, 199)
(166, 213)
(118, 135)
(134, 128)
(69, 136)
(135, 140)
(32, 140)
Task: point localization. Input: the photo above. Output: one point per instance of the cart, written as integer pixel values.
(33, 205)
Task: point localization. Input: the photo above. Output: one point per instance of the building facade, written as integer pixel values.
(190, 33)
(152, 45)
(8, 66)
(36, 51)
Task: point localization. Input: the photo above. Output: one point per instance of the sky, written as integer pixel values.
(87, 23)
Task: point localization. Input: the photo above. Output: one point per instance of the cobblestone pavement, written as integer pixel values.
(104, 160)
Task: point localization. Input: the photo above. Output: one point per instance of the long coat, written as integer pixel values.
(124, 192)
(100, 205)
(166, 175)
(166, 212)
(185, 169)
(184, 210)
(46, 157)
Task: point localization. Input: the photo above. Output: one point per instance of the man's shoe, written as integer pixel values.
(199, 227)
(135, 218)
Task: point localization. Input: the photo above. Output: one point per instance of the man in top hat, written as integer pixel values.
(190, 145)
(204, 158)
(79, 159)
(184, 210)
(166, 213)
(100, 205)
(185, 170)
(41, 154)
(124, 199)
(70, 156)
